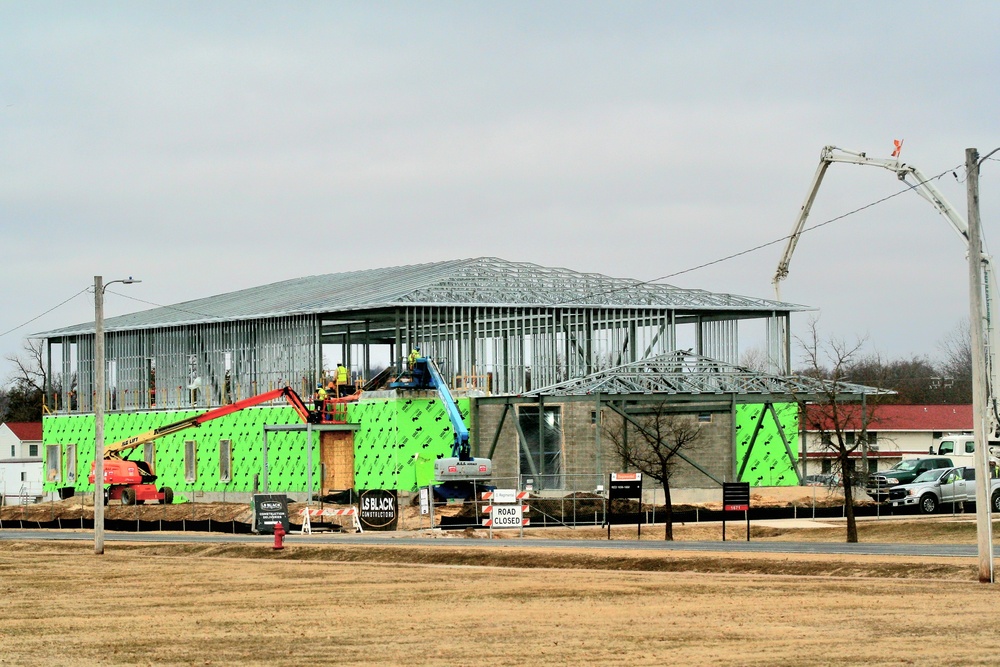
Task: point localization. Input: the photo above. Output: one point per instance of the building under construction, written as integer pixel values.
(540, 358)
(502, 327)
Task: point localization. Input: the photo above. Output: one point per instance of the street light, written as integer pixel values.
(981, 391)
(99, 372)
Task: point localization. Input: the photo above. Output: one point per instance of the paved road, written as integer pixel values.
(861, 549)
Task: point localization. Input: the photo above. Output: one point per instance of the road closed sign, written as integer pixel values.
(507, 516)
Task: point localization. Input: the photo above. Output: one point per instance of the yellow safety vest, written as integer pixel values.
(342, 375)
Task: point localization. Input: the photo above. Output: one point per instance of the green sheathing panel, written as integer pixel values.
(768, 464)
(286, 451)
(399, 440)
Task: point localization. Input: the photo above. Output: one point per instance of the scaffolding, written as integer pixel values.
(497, 326)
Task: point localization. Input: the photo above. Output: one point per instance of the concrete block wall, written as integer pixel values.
(583, 465)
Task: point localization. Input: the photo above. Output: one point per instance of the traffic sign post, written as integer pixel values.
(625, 485)
(505, 509)
(735, 498)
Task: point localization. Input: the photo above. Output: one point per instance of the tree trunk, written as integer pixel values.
(668, 509)
(848, 479)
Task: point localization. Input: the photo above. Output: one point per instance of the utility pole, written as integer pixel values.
(977, 317)
(98, 415)
(99, 373)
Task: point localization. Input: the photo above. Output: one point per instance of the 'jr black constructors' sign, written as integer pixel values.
(379, 509)
(268, 511)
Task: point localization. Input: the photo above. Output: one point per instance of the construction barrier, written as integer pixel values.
(309, 513)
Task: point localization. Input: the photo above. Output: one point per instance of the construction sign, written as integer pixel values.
(625, 485)
(506, 516)
(379, 509)
(268, 511)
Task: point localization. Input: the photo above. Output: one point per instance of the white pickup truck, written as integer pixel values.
(934, 488)
(961, 448)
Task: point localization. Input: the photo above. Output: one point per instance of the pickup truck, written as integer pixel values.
(934, 488)
(903, 472)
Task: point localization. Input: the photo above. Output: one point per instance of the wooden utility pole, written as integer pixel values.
(977, 318)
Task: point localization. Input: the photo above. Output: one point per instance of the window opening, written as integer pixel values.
(53, 459)
(190, 461)
(546, 455)
(225, 461)
(70, 464)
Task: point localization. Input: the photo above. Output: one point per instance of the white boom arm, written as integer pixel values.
(926, 189)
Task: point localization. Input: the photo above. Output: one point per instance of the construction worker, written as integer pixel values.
(320, 397)
(411, 360)
(343, 378)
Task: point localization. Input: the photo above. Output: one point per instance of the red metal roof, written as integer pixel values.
(896, 417)
(26, 430)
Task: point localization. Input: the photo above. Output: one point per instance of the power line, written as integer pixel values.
(21, 326)
(159, 305)
(91, 289)
(758, 247)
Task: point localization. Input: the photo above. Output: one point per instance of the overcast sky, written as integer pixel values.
(209, 147)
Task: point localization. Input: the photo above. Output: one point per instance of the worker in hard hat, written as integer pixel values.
(320, 397)
(411, 360)
(343, 379)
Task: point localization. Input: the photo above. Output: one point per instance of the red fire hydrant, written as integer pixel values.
(279, 536)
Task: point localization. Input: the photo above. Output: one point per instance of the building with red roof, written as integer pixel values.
(894, 432)
(21, 462)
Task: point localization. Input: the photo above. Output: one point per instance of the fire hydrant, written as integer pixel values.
(279, 536)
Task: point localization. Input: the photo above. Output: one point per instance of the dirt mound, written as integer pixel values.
(73, 508)
(560, 509)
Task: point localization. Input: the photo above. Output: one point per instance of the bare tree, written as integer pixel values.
(956, 346)
(915, 380)
(29, 369)
(22, 400)
(755, 358)
(651, 442)
(829, 413)
(956, 366)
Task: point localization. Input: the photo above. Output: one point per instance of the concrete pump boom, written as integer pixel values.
(926, 189)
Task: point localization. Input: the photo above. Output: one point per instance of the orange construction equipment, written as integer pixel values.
(133, 481)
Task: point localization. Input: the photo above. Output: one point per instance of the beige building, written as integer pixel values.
(894, 432)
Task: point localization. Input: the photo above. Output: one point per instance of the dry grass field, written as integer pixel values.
(404, 605)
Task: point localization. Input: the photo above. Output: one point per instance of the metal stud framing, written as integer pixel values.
(500, 326)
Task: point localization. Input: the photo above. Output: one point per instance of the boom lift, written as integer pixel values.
(454, 475)
(926, 189)
(133, 481)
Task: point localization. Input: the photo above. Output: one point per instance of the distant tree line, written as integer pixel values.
(916, 380)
